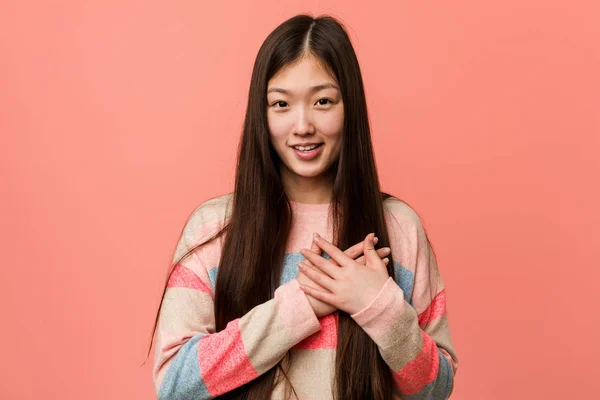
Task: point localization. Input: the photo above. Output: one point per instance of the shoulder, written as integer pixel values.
(215, 208)
(406, 231)
(203, 222)
(411, 250)
(401, 213)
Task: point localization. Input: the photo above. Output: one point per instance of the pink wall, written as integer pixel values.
(120, 117)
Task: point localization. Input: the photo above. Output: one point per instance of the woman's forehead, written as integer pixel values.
(306, 74)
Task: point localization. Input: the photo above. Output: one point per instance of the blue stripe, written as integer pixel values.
(183, 380)
(405, 279)
(290, 267)
(212, 276)
(403, 276)
(440, 387)
(288, 272)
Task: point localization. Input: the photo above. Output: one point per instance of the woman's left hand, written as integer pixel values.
(352, 285)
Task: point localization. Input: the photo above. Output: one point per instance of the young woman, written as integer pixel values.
(254, 308)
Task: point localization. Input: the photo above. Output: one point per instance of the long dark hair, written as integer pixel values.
(260, 218)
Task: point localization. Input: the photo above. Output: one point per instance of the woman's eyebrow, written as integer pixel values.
(313, 89)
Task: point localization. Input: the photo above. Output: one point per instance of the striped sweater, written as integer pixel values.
(192, 361)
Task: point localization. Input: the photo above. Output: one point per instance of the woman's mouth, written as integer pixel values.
(308, 152)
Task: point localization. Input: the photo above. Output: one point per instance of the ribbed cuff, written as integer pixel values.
(296, 310)
(383, 311)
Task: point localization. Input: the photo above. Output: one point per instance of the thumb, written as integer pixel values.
(369, 249)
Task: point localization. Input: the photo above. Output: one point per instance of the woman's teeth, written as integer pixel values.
(307, 148)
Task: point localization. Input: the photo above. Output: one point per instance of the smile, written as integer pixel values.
(309, 152)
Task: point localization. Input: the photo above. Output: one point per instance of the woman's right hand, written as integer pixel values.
(320, 308)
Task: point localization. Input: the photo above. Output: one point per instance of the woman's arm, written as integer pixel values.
(194, 361)
(421, 356)
(423, 361)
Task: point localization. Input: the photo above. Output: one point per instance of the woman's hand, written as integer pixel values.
(320, 308)
(345, 283)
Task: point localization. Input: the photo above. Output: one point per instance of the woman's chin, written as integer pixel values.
(308, 173)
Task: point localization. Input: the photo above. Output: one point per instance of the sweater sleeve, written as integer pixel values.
(413, 336)
(192, 361)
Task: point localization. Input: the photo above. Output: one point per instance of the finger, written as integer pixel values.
(357, 249)
(302, 277)
(325, 297)
(317, 276)
(369, 250)
(384, 251)
(322, 264)
(314, 248)
(335, 253)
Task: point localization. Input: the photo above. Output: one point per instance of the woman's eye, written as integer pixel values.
(324, 102)
(280, 104)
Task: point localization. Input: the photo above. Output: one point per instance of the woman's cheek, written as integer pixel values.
(275, 131)
(332, 125)
(278, 126)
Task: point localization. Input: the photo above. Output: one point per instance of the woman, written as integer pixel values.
(287, 316)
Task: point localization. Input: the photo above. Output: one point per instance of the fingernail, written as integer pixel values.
(375, 240)
(372, 235)
(386, 260)
(386, 250)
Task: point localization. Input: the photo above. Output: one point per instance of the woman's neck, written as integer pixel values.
(314, 190)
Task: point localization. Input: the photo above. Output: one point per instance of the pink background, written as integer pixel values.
(118, 118)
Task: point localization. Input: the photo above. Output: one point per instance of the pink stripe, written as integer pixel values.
(422, 370)
(183, 277)
(224, 364)
(326, 338)
(436, 309)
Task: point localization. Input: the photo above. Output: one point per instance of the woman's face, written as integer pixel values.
(305, 108)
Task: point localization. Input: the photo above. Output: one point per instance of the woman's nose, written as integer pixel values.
(303, 123)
